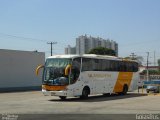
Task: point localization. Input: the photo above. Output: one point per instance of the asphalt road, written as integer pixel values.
(35, 103)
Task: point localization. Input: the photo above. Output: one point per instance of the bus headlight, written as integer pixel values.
(43, 87)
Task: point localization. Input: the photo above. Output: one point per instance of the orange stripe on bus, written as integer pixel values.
(53, 88)
(123, 78)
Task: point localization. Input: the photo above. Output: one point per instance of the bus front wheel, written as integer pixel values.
(62, 97)
(85, 93)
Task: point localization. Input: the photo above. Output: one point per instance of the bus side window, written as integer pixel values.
(77, 63)
(97, 64)
(87, 64)
(130, 67)
(113, 65)
(118, 65)
(135, 67)
(121, 66)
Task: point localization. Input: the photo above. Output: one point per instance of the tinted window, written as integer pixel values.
(76, 63)
(97, 65)
(87, 64)
(108, 65)
(105, 65)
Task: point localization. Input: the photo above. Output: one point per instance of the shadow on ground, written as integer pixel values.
(99, 98)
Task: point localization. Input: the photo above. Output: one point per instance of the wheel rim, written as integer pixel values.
(125, 89)
(85, 93)
(63, 97)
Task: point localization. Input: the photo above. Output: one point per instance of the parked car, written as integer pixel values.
(153, 85)
(152, 88)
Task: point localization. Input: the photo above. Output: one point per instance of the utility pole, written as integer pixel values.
(154, 58)
(51, 43)
(133, 56)
(147, 66)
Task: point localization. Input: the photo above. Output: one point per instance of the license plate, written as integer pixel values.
(52, 94)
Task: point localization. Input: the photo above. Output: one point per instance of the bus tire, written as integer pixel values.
(106, 94)
(85, 92)
(125, 89)
(62, 97)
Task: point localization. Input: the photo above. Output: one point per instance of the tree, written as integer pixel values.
(102, 51)
(151, 72)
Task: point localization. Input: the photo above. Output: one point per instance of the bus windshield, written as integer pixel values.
(57, 62)
(54, 71)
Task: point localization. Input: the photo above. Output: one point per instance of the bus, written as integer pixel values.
(88, 74)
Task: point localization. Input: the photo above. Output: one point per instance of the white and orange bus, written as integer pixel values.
(83, 75)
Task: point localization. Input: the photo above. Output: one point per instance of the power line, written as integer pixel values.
(24, 38)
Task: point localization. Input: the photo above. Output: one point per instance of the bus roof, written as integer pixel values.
(92, 56)
(84, 55)
(63, 56)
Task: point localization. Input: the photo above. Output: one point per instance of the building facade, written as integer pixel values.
(70, 50)
(17, 71)
(85, 43)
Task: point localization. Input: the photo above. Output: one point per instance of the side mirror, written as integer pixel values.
(38, 68)
(67, 69)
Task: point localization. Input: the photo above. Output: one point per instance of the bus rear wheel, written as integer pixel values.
(125, 90)
(62, 97)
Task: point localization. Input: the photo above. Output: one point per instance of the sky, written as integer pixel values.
(29, 24)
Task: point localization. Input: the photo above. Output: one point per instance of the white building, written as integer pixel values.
(70, 50)
(84, 44)
(17, 70)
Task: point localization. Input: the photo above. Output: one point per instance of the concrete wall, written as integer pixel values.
(17, 69)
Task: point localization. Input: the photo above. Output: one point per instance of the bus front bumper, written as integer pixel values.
(55, 93)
